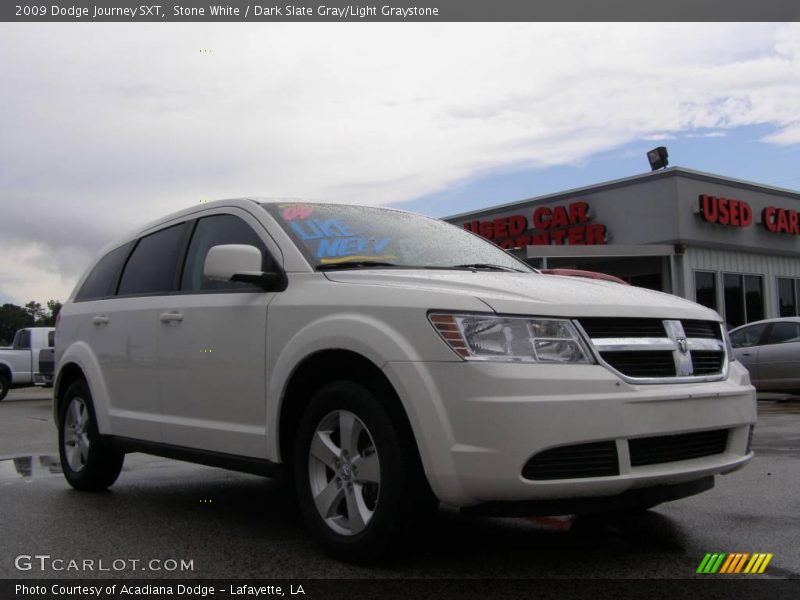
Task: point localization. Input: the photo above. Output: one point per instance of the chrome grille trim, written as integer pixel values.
(676, 342)
(645, 344)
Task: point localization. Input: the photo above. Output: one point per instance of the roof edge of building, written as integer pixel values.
(632, 180)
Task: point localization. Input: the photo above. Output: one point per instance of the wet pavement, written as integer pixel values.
(233, 525)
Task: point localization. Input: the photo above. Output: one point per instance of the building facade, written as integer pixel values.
(731, 245)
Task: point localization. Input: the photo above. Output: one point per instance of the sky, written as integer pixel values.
(104, 127)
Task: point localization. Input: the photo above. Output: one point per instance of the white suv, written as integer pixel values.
(384, 361)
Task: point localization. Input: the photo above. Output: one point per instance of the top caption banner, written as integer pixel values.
(397, 10)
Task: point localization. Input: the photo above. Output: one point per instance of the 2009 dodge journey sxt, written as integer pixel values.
(384, 362)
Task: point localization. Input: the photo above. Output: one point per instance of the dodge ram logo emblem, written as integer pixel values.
(683, 345)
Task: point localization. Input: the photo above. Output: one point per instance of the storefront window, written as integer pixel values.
(753, 297)
(744, 299)
(788, 292)
(705, 288)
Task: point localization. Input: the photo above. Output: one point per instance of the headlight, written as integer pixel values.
(516, 339)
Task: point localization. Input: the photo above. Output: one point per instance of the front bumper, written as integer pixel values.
(636, 498)
(477, 424)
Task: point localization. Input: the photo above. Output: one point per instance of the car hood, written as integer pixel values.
(535, 294)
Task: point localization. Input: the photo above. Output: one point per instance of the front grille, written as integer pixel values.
(707, 362)
(598, 459)
(701, 329)
(655, 349)
(623, 327)
(683, 446)
(650, 363)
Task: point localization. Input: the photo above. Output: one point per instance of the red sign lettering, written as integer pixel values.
(725, 211)
(781, 220)
(498, 228)
(549, 225)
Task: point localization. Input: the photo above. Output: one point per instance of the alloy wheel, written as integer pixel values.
(344, 472)
(76, 434)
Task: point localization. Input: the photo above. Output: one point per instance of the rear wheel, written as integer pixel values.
(5, 385)
(359, 486)
(87, 461)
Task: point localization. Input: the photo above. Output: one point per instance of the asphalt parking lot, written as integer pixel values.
(231, 525)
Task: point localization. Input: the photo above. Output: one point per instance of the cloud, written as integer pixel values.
(31, 271)
(707, 134)
(787, 136)
(106, 126)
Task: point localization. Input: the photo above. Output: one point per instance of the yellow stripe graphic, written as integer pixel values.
(767, 558)
(751, 563)
(755, 563)
(757, 566)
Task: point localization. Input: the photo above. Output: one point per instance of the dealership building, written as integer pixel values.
(728, 244)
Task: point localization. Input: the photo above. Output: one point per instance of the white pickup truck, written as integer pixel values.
(19, 363)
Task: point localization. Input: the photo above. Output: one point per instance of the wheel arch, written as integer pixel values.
(67, 375)
(323, 366)
(78, 362)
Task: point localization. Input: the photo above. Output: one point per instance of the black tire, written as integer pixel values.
(5, 385)
(98, 465)
(401, 501)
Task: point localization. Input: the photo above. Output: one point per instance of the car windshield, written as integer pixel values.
(343, 236)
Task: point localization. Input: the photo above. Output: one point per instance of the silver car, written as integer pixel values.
(770, 350)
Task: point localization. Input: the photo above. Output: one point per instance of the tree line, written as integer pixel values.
(33, 314)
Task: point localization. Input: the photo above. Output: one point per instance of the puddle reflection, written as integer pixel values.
(29, 466)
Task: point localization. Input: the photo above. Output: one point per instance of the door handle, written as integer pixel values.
(100, 320)
(747, 353)
(170, 317)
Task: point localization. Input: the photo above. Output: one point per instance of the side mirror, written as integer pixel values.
(239, 262)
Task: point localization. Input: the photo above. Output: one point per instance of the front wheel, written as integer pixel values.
(88, 463)
(361, 489)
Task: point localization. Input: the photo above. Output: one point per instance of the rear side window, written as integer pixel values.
(783, 332)
(51, 339)
(100, 282)
(151, 267)
(748, 336)
(216, 231)
(22, 341)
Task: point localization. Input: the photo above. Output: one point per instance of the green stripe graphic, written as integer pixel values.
(711, 563)
(702, 566)
(718, 564)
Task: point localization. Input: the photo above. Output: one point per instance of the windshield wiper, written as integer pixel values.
(355, 264)
(487, 267)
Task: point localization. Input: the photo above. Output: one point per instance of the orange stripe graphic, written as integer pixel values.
(741, 562)
(727, 564)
